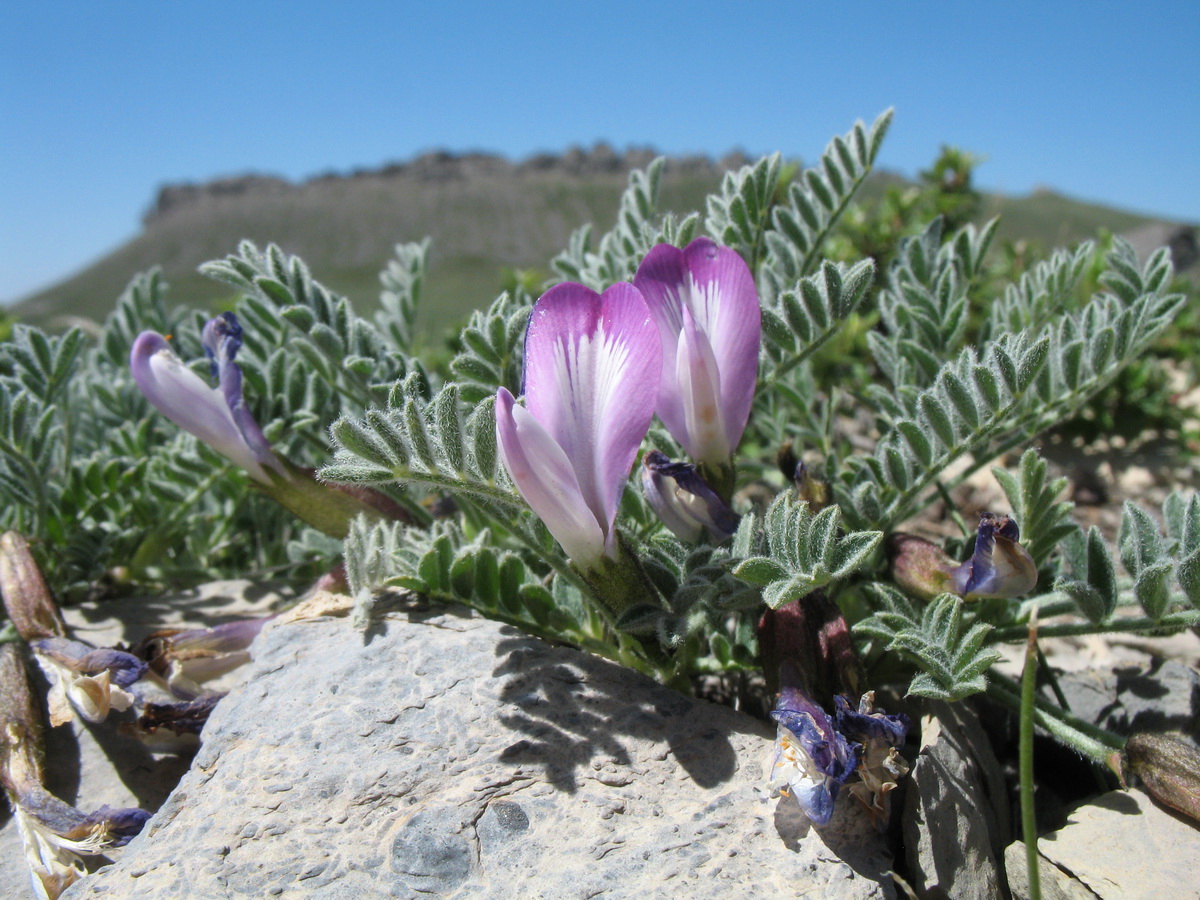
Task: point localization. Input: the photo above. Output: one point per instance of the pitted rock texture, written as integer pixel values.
(90, 766)
(439, 754)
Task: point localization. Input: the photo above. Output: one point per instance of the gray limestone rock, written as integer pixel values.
(1161, 696)
(440, 754)
(90, 766)
(955, 816)
(1121, 845)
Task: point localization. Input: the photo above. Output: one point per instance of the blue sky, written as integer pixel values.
(102, 102)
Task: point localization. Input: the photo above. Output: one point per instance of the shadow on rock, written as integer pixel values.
(572, 716)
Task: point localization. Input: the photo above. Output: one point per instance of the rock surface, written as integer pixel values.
(89, 766)
(439, 754)
(955, 820)
(1122, 845)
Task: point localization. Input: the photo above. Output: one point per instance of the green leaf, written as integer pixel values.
(759, 570)
(1188, 573)
(853, 551)
(1101, 575)
(641, 619)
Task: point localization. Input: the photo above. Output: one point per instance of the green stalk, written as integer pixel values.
(1100, 746)
(1025, 761)
(1129, 625)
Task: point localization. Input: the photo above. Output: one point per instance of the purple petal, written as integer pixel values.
(124, 668)
(222, 338)
(544, 476)
(591, 366)
(868, 724)
(184, 398)
(718, 289)
(829, 750)
(1000, 567)
(684, 501)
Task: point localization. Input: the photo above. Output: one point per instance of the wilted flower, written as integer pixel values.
(53, 833)
(591, 363)
(1000, 567)
(185, 659)
(219, 417)
(706, 307)
(684, 501)
(811, 760)
(183, 718)
(880, 765)
(89, 680)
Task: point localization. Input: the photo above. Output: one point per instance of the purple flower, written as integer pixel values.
(218, 416)
(684, 501)
(999, 567)
(868, 724)
(812, 759)
(706, 307)
(591, 367)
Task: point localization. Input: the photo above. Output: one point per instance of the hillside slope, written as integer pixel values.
(482, 212)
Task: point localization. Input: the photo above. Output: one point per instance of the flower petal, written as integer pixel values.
(591, 367)
(699, 381)
(184, 398)
(543, 474)
(1000, 567)
(222, 338)
(726, 307)
(717, 288)
(684, 501)
(663, 280)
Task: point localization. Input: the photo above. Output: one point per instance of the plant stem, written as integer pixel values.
(1086, 739)
(1025, 761)
(1131, 625)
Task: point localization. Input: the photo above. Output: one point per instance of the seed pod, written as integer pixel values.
(1169, 768)
(21, 731)
(30, 604)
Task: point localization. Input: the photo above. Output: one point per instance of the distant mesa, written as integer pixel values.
(444, 165)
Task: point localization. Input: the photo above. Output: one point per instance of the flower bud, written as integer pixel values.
(918, 566)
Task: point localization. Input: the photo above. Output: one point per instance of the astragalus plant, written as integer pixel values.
(642, 462)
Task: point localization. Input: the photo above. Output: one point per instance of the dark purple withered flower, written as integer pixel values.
(684, 501)
(188, 717)
(867, 724)
(812, 759)
(880, 765)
